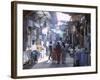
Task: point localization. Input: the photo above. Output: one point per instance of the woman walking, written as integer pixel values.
(58, 52)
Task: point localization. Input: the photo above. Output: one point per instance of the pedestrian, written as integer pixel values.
(77, 56)
(34, 57)
(63, 55)
(58, 52)
(54, 53)
(84, 57)
(50, 50)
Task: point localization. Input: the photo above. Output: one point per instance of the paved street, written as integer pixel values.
(48, 64)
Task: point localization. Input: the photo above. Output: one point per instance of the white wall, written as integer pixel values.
(5, 40)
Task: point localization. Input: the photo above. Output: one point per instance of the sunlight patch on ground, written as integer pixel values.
(43, 59)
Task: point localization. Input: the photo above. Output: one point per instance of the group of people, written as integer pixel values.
(82, 57)
(57, 52)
